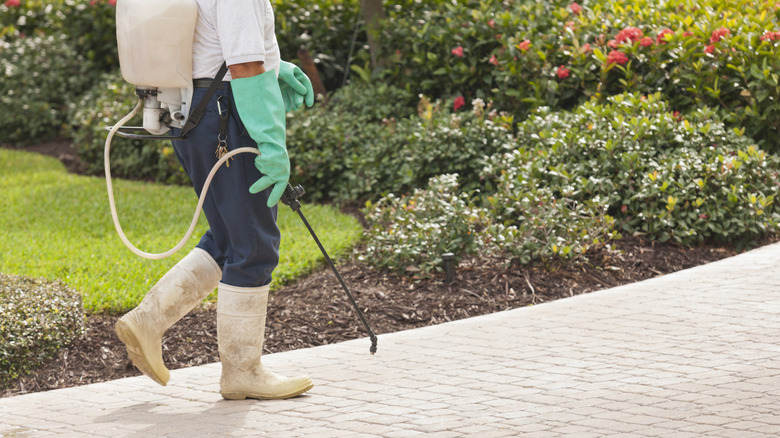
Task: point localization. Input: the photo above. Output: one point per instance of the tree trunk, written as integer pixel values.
(373, 12)
(310, 68)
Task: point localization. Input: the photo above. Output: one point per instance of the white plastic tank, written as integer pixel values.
(154, 38)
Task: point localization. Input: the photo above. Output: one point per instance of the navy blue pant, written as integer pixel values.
(243, 237)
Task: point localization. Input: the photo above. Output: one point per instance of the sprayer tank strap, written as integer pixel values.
(202, 83)
(197, 112)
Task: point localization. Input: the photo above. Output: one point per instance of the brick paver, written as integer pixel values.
(696, 353)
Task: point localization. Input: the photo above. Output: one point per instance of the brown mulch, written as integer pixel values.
(316, 311)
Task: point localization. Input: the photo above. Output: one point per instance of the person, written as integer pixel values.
(239, 252)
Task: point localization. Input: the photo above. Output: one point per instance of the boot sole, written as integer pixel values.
(244, 395)
(135, 352)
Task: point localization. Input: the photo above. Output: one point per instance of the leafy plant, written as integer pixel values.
(536, 224)
(410, 233)
(662, 174)
(353, 150)
(37, 318)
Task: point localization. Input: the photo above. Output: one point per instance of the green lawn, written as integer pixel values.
(57, 225)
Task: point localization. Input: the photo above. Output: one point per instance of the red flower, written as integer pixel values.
(459, 103)
(493, 60)
(524, 46)
(687, 34)
(562, 72)
(624, 209)
(586, 48)
(491, 23)
(646, 42)
(661, 37)
(575, 8)
(710, 49)
(718, 34)
(616, 57)
(629, 33)
(770, 36)
(612, 44)
(12, 3)
(458, 51)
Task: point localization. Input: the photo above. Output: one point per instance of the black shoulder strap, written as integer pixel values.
(197, 113)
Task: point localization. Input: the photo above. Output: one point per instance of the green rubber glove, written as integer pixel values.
(296, 87)
(261, 107)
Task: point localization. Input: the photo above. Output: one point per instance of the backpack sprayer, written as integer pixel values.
(155, 54)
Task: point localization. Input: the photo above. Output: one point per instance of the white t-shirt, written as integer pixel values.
(233, 31)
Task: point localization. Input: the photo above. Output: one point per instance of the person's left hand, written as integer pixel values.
(296, 87)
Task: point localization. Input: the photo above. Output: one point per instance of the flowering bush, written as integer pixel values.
(19, 18)
(37, 318)
(722, 54)
(410, 233)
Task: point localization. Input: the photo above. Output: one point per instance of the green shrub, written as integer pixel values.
(107, 102)
(410, 233)
(544, 226)
(40, 75)
(570, 182)
(365, 143)
(37, 318)
(661, 174)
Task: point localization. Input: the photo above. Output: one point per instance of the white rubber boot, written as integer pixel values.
(240, 335)
(175, 294)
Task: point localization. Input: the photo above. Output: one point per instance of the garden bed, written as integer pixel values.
(315, 311)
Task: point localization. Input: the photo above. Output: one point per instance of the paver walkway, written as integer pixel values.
(696, 353)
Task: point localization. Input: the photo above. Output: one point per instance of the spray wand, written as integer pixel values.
(290, 198)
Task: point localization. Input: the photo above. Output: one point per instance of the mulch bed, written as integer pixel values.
(316, 311)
